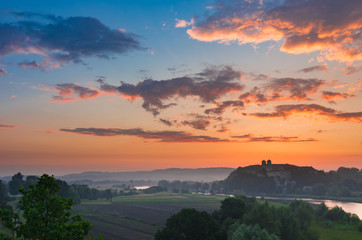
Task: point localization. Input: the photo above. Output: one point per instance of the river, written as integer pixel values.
(351, 207)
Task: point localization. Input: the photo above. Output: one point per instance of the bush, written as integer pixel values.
(244, 232)
(360, 227)
(337, 214)
(189, 224)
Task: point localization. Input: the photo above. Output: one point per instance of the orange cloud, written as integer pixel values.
(71, 92)
(183, 23)
(330, 26)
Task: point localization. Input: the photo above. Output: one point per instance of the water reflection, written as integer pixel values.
(351, 207)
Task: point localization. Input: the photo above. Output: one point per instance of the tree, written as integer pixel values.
(189, 224)
(3, 195)
(15, 182)
(243, 232)
(232, 207)
(303, 212)
(46, 215)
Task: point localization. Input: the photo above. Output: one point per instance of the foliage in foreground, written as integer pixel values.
(244, 218)
(189, 224)
(45, 215)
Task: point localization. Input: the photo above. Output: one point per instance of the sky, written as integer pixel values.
(141, 85)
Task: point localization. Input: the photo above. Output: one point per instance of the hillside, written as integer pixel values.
(285, 178)
(171, 174)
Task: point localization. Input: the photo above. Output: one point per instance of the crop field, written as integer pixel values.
(140, 216)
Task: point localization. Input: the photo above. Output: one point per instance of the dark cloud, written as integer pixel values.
(208, 85)
(30, 65)
(282, 89)
(331, 96)
(168, 122)
(297, 88)
(159, 136)
(200, 124)
(8, 126)
(3, 72)
(351, 70)
(62, 40)
(242, 136)
(71, 92)
(251, 138)
(194, 120)
(314, 68)
(287, 110)
(330, 26)
(222, 106)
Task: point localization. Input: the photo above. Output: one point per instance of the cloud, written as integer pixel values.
(200, 124)
(61, 40)
(71, 92)
(222, 106)
(168, 122)
(282, 89)
(255, 95)
(194, 120)
(297, 88)
(251, 138)
(351, 70)
(3, 72)
(331, 96)
(314, 68)
(287, 110)
(208, 85)
(30, 65)
(330, 26)
(159, 136)
(8, 126)
(183, 23)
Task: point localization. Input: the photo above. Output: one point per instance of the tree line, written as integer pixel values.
(245, 218)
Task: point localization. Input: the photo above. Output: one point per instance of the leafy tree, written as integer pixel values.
(3, 195)
(189, 224)
(46, 215)
(15, 182)
(232, 207)
(303, 212)
(336, 214)
(321, 210)
(30, 180)
(243, 232)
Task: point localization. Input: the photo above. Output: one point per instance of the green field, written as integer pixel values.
(337, 232)
(139, 216)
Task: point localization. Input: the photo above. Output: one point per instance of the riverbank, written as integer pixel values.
(339, 199)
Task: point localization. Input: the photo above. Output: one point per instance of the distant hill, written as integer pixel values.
(171, 174)
(286, 178)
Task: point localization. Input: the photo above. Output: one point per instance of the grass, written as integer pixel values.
(337, 232)
(161, 198)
